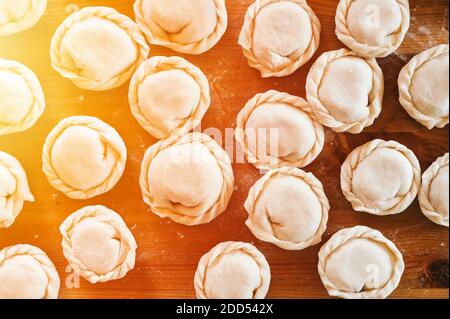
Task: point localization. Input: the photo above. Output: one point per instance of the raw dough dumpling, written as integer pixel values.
(434, 192)
(26, 272)
(423, 85)
(20, 15)
(381, 178)
(373, 28)
(22, 99)
(98, 48)
(288, 207)
(14, 189)
(232, 270)
(84, 157)
(188, 179)
(345, 90)
(360, 263)
(98, 244)
(278, 37)
(187, 26)
(169, 96)
(277, 129)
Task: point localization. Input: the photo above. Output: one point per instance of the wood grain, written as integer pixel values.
(168, 253)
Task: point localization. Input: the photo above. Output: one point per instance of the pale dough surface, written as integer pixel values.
(278, 37)
(14, 189)
(188, 179)
(232, 270)
(434, 192)
(360, 263)
(84, 157)
(277, 129)
(345, 90)
(288, 207)
(423, 85)
(169, 96)
(381, 178)
(26, 272)
(22, 99)
(98, 244)
(20, 15)
(187, 26)
(76, 52)
(372, 28)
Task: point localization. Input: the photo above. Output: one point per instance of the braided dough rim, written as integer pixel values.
(225, 248)
(110, 14)
(160, 64)
(22, 193)
(314, 81)
(246, 39)
(32, 17)
(273, 96)
(258, 189)
(425, 204)
(103, 215)
(405, 82)
(345, 35)
(346, 235)
(195, 48)
(361, 153)
(38, 105)
(41, 257)
(107, 133)
(223, 161)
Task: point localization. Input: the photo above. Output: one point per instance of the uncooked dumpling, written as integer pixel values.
(434, 192)
(288, 207)
(19, 15)
(423, 85)
(98, 244)
(232, 270)
(278, 37)
(169, 96)
(188, 179)
(14, 189)
(21, 97)
(381, 178)
(84, 157)
(26, 272)
(276, 129)
(98, 48)
(360, 263)
(188, 26)
(373, 28)
(345, 91)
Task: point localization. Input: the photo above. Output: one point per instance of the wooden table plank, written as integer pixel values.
(168, 253)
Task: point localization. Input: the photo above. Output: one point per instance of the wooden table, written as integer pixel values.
(168, 253)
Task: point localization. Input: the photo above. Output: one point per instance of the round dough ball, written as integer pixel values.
(98, 244)
(278, 37)
(190, 26)
(276, 129)
(360, 263)
(22, 99)
(232, 270)
(20, 15)
(188, 179)
(14, 189)
(27, 273)
(76, 52)
(169, 96)
(345, 91)
(381, 178)
(288, 207)
(84, 157)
